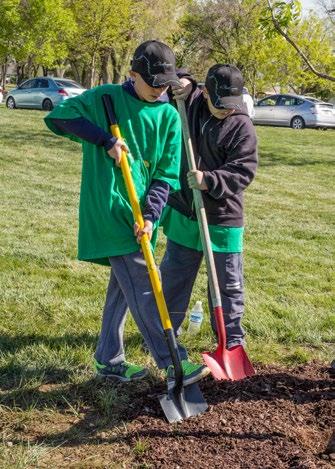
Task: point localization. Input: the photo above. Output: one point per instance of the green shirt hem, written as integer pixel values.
(182, 230)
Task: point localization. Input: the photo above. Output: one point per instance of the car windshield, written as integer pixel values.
(26, 84)
(67, 84)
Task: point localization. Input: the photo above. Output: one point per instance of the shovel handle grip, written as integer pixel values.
(145, 242)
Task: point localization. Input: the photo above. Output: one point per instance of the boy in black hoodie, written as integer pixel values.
(225, 149)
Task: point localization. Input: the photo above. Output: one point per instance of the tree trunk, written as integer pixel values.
(60, 70)
(75, 72)
(88, 76)
(89, 73)
(104, 59)
(20, 72)
(85, 77)
(35, 70)
(4, 67)
(294, 89)
(116, 67)
(92, 78)
(254, 84)
(29, 67)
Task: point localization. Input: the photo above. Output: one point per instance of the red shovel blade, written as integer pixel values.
(214, 361)
(224, 363)
(232, 364)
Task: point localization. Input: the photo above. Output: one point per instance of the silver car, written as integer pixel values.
(42, 93)
(294, 111)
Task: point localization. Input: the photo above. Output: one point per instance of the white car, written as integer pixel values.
(294, 111)
(42, 93)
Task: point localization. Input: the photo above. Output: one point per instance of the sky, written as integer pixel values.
(310, 4)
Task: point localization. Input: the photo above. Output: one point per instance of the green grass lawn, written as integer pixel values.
(51, 304)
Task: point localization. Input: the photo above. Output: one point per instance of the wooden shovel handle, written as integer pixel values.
(203, 227)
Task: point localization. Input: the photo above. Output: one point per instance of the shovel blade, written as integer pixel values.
(184, 404)
(232, 364)
(215, 363)
(238, 365)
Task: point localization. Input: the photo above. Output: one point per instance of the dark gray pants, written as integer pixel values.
(130, 286)
(179, 268)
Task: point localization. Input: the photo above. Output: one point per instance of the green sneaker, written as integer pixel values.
(192, 372)
(124, 371)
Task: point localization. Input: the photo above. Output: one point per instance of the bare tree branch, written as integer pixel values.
(293, 44)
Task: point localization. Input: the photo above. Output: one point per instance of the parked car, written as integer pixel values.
(42, 93)
(294, 111)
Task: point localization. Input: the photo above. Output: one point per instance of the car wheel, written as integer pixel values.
(10, 103)
(297, 122)
(47, 105)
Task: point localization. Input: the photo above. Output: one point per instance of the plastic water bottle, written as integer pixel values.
(196, 317)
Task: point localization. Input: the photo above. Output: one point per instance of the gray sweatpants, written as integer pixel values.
(179, 269)
(129, 286)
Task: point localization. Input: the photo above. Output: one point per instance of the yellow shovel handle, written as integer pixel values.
(145, 242)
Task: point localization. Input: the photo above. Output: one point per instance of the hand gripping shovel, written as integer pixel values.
(232, 364)
(180, 402)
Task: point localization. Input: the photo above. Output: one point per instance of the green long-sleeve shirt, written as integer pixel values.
(153, 135)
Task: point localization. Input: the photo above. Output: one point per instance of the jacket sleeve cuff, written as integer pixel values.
(149, 217)
(214, 189)
(110, 143)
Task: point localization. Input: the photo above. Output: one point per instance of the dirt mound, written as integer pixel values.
(277, 419)
(280, 418)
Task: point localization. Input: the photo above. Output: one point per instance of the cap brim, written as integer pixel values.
(227, 102)
(161, 79)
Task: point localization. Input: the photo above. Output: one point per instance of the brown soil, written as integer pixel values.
(278, 419)
(281, 418)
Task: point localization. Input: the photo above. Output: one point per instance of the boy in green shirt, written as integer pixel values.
(107, 234)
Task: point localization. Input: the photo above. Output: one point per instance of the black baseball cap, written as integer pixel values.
(156, 63)
(224, 83)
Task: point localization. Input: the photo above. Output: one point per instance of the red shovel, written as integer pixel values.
(234, 363)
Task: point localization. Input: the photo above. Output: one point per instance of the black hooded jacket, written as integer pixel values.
(226, 151)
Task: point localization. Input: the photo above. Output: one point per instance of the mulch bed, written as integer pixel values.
(278, 419)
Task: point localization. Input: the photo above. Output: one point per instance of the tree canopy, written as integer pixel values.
(93, 41)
